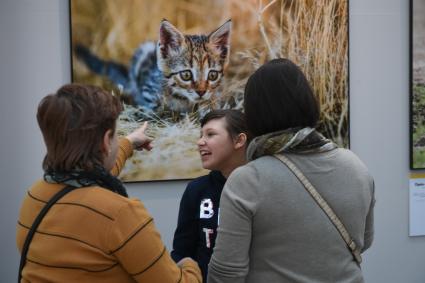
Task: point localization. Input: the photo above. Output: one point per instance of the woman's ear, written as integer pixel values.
(107, 140)
(240, 141)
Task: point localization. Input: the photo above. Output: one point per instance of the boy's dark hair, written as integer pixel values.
(278, 97)
(235, 120)
(73, 122)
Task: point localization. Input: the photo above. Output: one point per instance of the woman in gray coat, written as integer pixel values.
(270, 228)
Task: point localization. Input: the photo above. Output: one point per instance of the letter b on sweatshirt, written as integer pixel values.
(206, 209)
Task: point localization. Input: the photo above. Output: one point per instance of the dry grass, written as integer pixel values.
(174, 155)
(312, 33)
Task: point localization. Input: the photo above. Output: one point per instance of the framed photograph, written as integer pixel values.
(417, 84)
(172, 61)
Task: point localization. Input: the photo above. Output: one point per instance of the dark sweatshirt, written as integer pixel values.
(197, 222)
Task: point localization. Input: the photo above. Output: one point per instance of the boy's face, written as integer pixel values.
(215, 145)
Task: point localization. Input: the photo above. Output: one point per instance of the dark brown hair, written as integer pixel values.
(73, 122)
(235, 120)
(278, 97)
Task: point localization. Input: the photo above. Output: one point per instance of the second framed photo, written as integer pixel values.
(417, 84)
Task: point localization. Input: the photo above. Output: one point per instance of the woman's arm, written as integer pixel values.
(125, 151)
(134, 240)
(369, 229)
(230, 259)
(137, 140)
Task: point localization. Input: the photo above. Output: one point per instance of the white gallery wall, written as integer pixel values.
(35, 61)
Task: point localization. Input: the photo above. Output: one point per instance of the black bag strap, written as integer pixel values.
(37, 222)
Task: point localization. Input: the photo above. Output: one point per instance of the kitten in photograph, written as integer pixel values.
(177, 73)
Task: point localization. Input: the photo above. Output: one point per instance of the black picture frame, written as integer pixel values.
(417, 84)
(337, 128)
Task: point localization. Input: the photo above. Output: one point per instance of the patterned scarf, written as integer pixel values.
(79, 178)
(305, 140)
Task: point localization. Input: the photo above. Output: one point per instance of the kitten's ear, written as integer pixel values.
(170, 38)
(220, 38)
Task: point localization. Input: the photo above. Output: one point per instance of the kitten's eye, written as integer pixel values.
(186, 75)
(212, 75)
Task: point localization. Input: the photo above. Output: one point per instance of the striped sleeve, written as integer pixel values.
(125, 151)
(137, 245)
